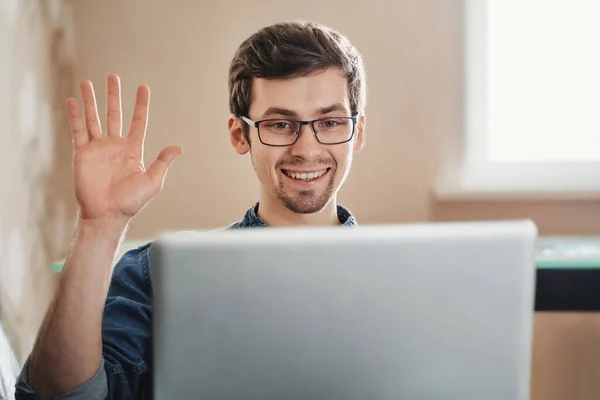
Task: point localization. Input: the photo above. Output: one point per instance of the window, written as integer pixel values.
(531, 99)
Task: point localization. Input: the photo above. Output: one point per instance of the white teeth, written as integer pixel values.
(305, 176)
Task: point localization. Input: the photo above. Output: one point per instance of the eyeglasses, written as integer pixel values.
(285, 132)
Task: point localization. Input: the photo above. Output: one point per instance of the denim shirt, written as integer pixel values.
(127, 327)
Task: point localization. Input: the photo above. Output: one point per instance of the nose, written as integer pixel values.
(307, 146)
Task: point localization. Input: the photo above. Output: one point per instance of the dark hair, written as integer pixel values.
(293, 49)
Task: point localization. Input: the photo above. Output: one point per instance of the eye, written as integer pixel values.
(282, 125)
(332, 123)
(279, 125)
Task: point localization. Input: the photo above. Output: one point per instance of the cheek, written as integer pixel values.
(343, 156)
(264, 162)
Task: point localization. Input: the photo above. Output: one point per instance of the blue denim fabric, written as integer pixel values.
(127, 326)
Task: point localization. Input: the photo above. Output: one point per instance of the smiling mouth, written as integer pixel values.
(305, 176)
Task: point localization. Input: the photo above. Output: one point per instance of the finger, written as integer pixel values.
(80, 136)
(90, 110)
(113, 106)
(159, 167)
(139, 120)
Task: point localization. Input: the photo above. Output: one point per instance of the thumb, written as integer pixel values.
(159, 167)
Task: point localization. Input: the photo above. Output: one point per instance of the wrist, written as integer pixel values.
(104, 227)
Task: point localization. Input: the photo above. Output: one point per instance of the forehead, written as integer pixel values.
(302, 95)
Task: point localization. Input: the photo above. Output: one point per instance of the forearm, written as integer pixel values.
(68, 350)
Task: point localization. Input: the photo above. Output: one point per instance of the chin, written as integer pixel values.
(304, 209)
(306, 202)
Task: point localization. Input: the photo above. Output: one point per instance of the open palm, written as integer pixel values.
(111, 182)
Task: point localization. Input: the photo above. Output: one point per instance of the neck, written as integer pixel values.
(276, 214)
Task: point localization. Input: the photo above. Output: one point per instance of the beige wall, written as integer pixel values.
(566, 356)
(36, 201)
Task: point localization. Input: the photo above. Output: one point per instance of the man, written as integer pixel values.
(297, 95)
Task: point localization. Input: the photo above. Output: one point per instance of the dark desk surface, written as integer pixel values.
(568, 289)
(568, 274)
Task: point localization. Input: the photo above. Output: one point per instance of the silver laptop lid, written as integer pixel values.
(423, 311)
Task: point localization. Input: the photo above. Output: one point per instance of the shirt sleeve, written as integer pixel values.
(94, 389)
(126, 337)
(127, 327)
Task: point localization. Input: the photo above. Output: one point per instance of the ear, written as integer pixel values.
(359, 140)
(236, 135)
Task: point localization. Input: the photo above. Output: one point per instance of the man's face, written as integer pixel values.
(305, 176)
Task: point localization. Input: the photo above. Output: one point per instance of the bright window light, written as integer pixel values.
(531, 100)
(543, 85)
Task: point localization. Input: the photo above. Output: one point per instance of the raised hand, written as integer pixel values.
(111, 182)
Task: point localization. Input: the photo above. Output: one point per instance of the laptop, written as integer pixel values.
(411, 311)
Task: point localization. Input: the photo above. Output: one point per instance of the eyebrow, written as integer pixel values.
(275, 111)
(332, 108)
